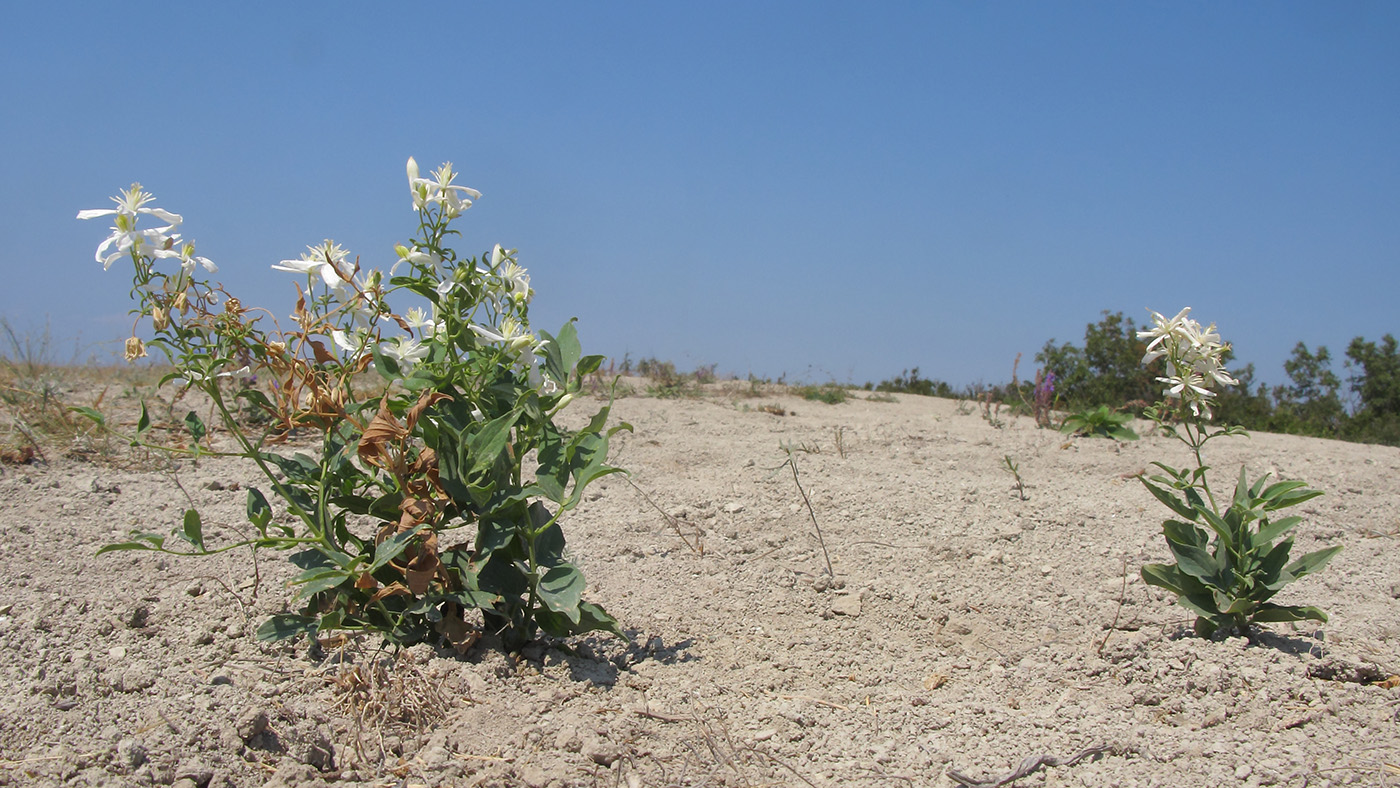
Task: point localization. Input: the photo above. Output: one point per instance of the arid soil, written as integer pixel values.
(967, 628)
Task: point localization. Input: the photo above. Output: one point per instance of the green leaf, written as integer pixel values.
(1171, 501)
(388, 368)
(1292, 498)
(314, 581)
(1270, 531)
(1163, 576)
(1269, 613)
(1242, 491)
(561, 353)
(1271, 575)
(1203, 566)
(1311, 562)
(552, 474)
(258, 399)
(393, 547)
(1184, 533)
(195, 426)
(258, 511)
(588, 365)
(91, 413)
(143, 424)
(561, 590)
(192, 530)
(1221, 528)
(286, 625)
(490, 441)
(1122, 432)
(120, 546)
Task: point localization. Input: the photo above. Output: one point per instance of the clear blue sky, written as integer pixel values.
(827, 190)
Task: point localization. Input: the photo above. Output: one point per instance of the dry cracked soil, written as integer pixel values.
(969, 628)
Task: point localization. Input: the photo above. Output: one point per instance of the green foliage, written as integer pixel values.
(1108, 370)
(1229, 566)
(829, 393)
(1100, 422)
(439, 444)
(1377, 417)
(909, 382)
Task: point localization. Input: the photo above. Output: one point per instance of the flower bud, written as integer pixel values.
(135, 349)
(160, 318)
(182, 302)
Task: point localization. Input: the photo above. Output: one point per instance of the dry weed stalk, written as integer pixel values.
(792, 463)
(697, 546)
(385, 694)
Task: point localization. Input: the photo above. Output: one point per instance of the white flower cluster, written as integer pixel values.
(1193, 358)
(154, 243)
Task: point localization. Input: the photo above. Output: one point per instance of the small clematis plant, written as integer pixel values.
(431, 511)
(1229, 563)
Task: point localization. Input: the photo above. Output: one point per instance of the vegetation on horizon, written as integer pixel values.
(1106, 371)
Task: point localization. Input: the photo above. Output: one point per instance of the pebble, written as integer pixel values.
(848, 605)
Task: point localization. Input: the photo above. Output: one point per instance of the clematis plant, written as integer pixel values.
(1229, 563)
(419, 518)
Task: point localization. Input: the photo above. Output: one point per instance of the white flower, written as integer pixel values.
(1165, 330)
(125, 238)
(420, 322)
(439, 189)
(327, 260)
(130, 205)
(414, 256)
(515, 282)
(405, 350)
(185, 254)
(1194, 359)
(511, 334)
(353, 344)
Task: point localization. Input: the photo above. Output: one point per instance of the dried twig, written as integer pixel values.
(1028, 766)
(792, 463)
(1122, 596)
(698, 547)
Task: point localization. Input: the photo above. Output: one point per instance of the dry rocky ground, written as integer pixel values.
(966, 629)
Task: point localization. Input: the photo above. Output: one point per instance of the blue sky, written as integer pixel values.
(822, 190)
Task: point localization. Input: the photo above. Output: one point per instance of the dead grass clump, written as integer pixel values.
(388, 695)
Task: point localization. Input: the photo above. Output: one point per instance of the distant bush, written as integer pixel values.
(1108, 371)
(829, 393)
(909, 382)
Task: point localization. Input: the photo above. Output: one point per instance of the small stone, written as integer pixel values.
(139, 617)
(195, 588)
(532, 775)
(603, 756)
(117, 652)
(195, 772)
(131, 753)
(733, 507)
(138, 676)
(251, 723)
(848, 605)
